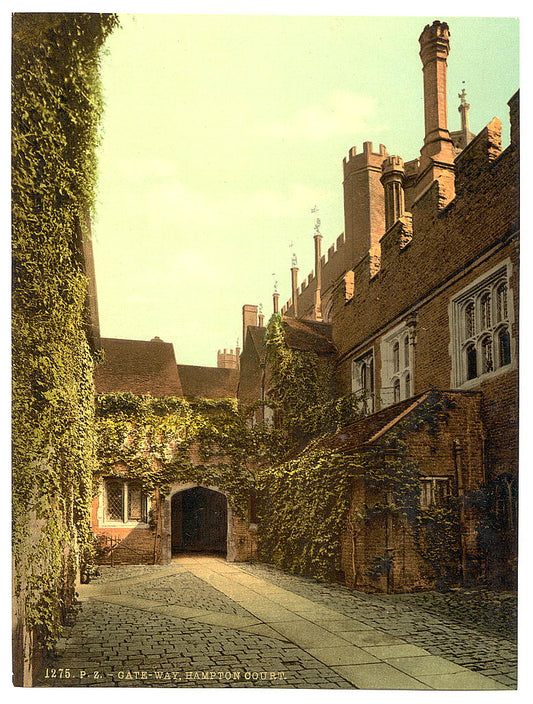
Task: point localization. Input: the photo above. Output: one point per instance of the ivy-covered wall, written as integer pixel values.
(56, 106)
(166, 442)
(342, 507)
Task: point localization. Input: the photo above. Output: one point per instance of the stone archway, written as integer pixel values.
(199, 522)
(199, 512)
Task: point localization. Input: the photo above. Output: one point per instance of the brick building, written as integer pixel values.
(421, 292)
(416, 304)
(121, 510)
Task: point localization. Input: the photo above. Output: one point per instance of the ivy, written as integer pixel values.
(57, 104)
(163, 441)
(304, 506)
(306, 500)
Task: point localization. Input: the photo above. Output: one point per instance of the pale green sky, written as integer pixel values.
(222, 132)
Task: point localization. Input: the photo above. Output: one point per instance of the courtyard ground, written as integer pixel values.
(204, 622)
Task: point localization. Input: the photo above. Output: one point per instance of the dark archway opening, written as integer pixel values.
(199, 521)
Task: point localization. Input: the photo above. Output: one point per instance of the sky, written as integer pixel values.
(222, 132)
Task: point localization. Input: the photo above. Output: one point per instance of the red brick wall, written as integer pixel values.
(433, 453)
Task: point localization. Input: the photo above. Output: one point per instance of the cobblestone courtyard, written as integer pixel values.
(203, 622)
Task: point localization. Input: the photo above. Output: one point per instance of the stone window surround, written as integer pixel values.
(403, 371)
(356, 366)
(475, 291)
(103, 520)
(431, 484)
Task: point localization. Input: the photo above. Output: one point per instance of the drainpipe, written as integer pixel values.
(388, 543)
(457, 463)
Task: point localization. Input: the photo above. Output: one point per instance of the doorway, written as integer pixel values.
(199, 521)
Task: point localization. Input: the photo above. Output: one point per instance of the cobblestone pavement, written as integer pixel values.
(203, 622)
(187, 590)
(474, 628)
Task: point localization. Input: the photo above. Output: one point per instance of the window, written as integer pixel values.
(363, 380)
(480, 322)
(125, 501)
(434, 491)
(396, 352)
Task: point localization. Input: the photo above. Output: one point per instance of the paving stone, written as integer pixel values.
(151, 622)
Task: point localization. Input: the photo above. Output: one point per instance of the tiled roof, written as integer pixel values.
(367, 430)
(308, 335)
(257, 335)
(208, 382)
(138, 367)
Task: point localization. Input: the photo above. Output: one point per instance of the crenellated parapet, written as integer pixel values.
(482, 150)
(365, 159)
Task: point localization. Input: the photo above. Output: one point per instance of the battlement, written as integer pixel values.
(411, 167)
(367, 158)
(228, 359)
(392, 163)
(482, 150)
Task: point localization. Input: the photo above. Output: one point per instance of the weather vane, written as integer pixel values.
(294, 258)
(314, 209)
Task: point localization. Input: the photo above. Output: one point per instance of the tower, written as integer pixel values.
(364, 221)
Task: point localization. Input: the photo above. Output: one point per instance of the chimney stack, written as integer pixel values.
(318, 273)
(294, 286)
(275, 302)
(249, 318)
(437, 154)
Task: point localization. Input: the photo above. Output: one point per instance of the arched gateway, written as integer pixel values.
(199, 519)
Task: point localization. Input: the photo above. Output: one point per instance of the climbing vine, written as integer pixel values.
(302, 390)
(162, 441)
(306, 500)
(304, 507)
(57, 104)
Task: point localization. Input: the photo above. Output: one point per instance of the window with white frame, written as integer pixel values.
(363, 380)
(480, 320)
(434, 491)
(124, 501)
(396, 366)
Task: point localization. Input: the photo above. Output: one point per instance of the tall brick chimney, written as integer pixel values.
(318, 274)
(275, 302)
(294, 286)
(437, 154)
(249, 318)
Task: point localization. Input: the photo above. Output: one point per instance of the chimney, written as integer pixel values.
(275, 302)
(249, 318)
(294, 286)
(261, 320)
(392, 174)
(318, 273)
(437, 154)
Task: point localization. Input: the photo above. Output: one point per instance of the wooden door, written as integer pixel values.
(203, 520)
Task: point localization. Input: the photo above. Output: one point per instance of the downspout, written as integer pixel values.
(457, 463)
